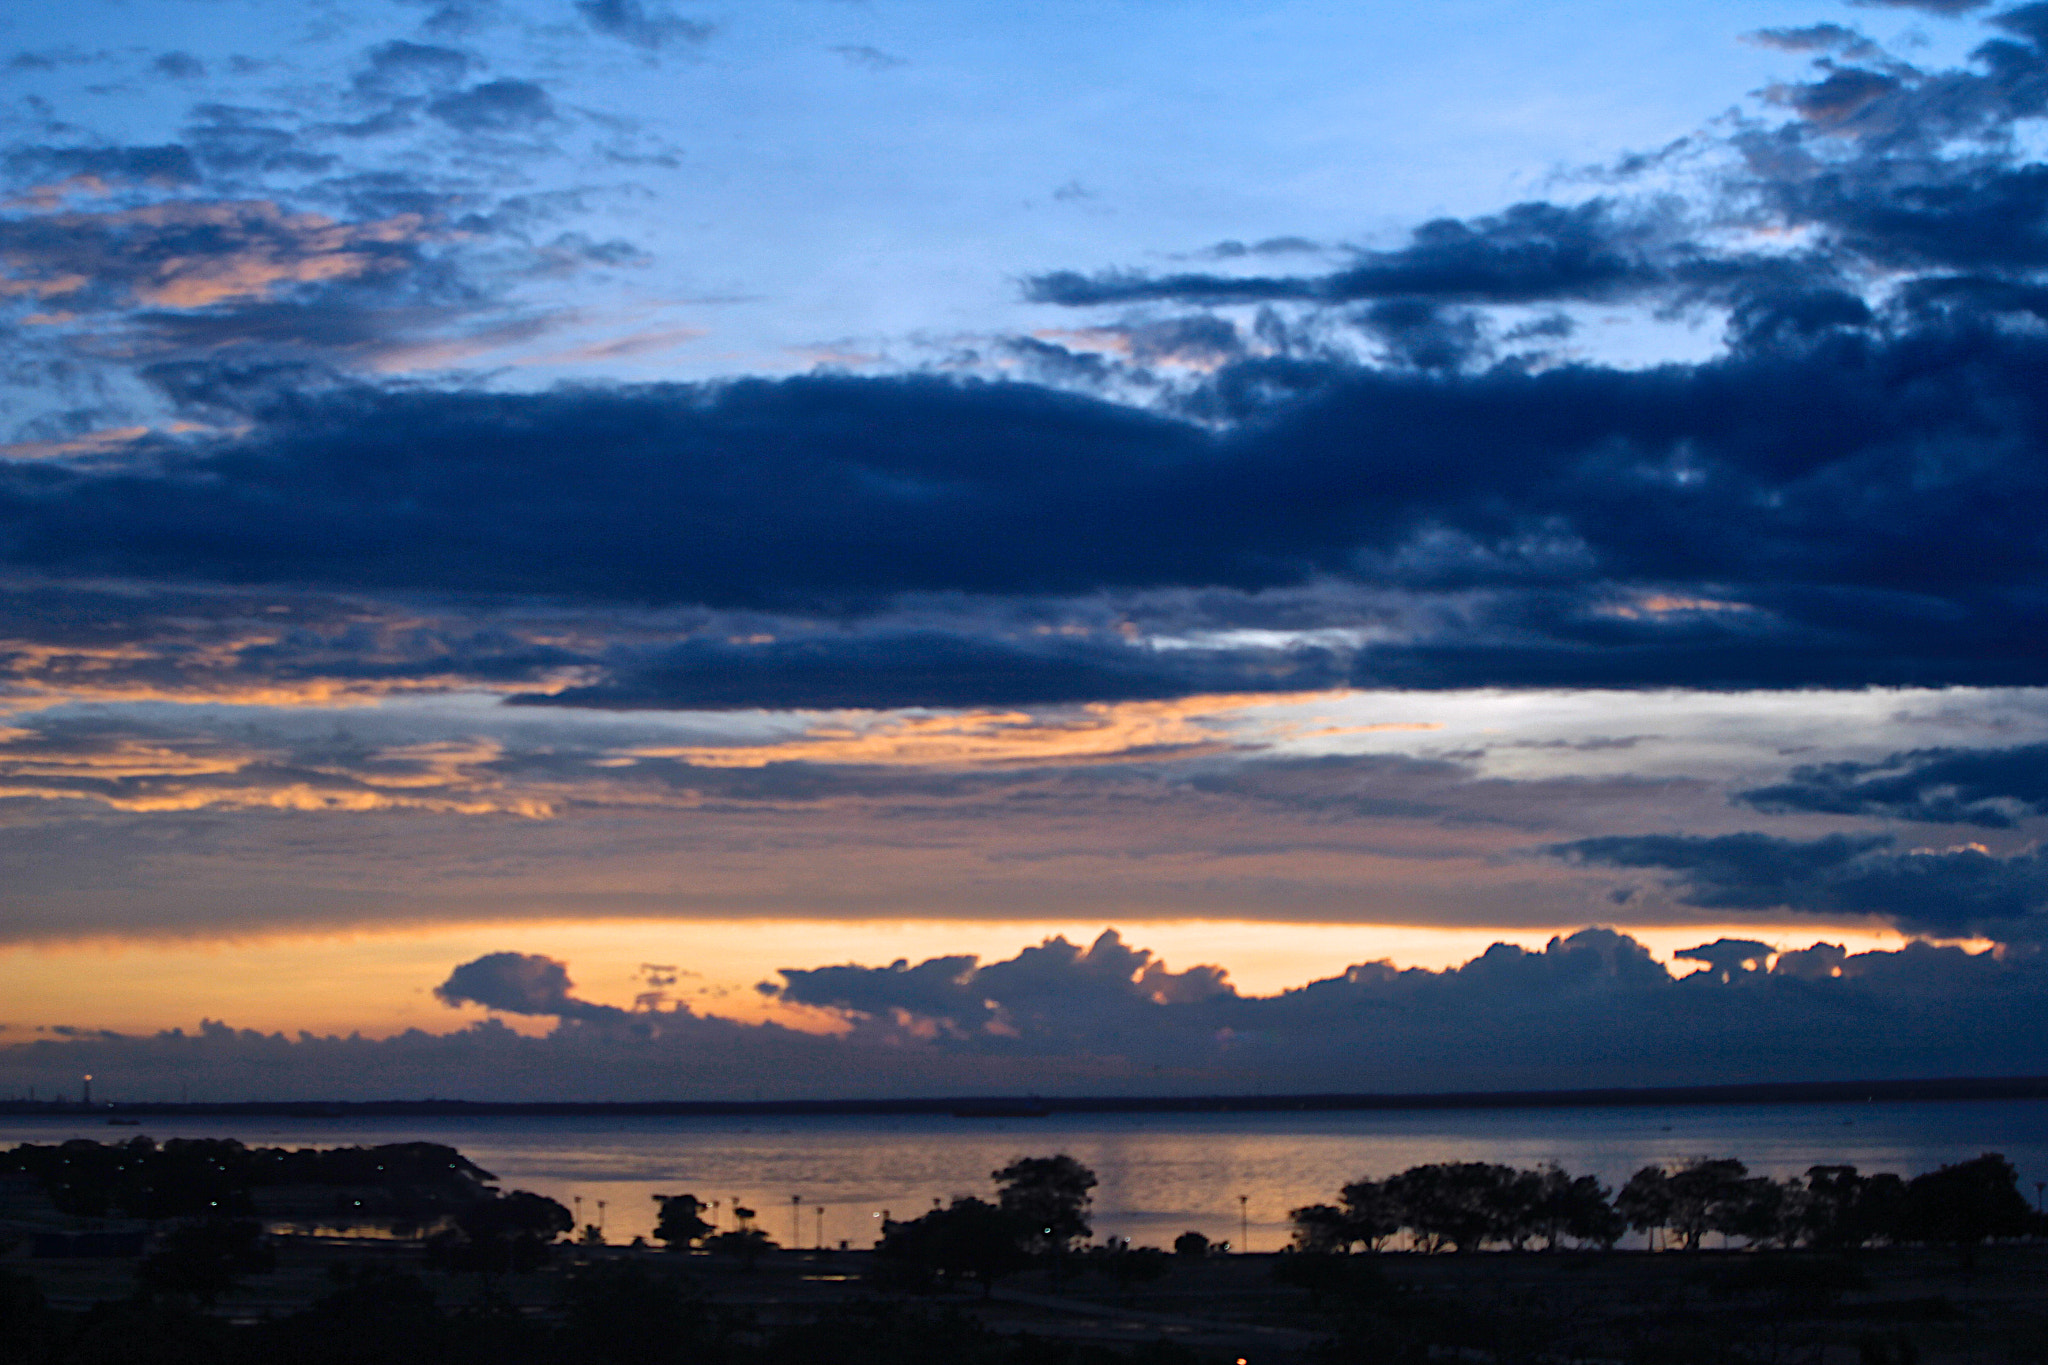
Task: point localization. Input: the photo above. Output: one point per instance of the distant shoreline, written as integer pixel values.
(1054, 1106)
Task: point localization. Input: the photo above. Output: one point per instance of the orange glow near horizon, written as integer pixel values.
(381, 983)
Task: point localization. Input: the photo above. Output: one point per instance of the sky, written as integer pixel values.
(628, 549)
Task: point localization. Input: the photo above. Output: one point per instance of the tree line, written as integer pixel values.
(1469, 1205)
(187, 1177)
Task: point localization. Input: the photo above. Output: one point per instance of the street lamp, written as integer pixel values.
(1244, 1225)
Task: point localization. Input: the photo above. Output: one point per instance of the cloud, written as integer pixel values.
(1817, 38)
(500, 106)
(1951, 893)
(168, 164)
(1729, 956)
(1528, 252)
(1185, 728)
(872, 58)
(630, 21)
(236, 141)
(519, 983)
(179, 66)
(1792, 517)
(1052, 990)
(882, 670)
(400, 67)
(188, 254)
(1991, 788)
(1945, 8)
(1590, 1009)
(141, 769)
(1788, 513)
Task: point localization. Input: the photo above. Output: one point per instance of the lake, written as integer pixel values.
(833, 1178)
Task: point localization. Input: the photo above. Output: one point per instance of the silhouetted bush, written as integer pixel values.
(970, 1240)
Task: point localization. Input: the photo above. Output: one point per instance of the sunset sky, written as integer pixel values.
(615, 548)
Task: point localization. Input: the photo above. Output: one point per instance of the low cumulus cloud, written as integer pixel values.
(1052, 990)
(1589, 1009)
(519, 983)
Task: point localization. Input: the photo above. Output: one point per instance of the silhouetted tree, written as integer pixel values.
(971, 1239)
(1705, 1194)
(1049, 1195)
(513, 1232)
(1191, 1246)
(682, 1221)
(1645, 1201)
(1760, 1211)
(1965, 1204)
(1701, 1196)
(1321, 1229)
(1461, 1204)
(1373, 1214)
(1577, 1207)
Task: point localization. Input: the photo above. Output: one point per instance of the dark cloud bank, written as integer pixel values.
(1849, 494)
(1858, 510)
(1591, 1009)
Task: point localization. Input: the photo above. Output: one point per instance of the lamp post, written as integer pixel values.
(1244, 1223)
(796, 1232)
(819, 1209)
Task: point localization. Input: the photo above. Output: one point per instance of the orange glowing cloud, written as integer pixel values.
(254, 246)
(1095, 732)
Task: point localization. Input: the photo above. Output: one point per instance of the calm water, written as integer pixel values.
(1160, 1174)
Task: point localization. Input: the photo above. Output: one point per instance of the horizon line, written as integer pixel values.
(1919, 1090)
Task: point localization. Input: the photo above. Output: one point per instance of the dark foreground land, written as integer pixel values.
(203, 1250)
(372, 1300)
